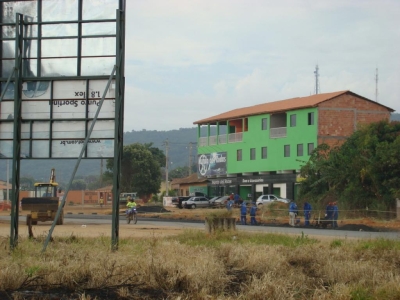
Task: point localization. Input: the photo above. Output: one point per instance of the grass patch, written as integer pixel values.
(379, 245)
(336, 243)
(199, 238)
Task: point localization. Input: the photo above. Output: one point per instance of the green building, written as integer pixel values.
(260, 149)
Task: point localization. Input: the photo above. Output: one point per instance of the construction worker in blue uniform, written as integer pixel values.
(329, 212)
(335, 214)
(243, 213)
(293, 211)
(307, 213)
(253, 211)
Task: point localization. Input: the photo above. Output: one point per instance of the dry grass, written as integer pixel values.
(195, 265)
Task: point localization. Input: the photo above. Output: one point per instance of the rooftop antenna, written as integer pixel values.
(376, 85)
(317, 89)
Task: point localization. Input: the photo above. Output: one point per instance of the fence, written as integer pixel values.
(352, 214)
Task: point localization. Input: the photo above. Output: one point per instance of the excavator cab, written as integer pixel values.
(43, 190)
(44, 204)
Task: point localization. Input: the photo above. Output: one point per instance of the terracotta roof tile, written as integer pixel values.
(274, 107)
(190, 179)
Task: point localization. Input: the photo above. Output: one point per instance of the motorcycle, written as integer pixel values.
(131, 215)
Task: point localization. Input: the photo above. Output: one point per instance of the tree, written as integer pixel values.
(363, 172)
(78, 184)
(179, 172)
(158, 154)
(27, 183)
(140, 171)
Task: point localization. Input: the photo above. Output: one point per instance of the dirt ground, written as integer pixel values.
(150, 211)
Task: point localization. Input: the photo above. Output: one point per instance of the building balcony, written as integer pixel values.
(276, 133)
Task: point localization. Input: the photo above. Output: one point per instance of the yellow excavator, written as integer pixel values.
(44, 204)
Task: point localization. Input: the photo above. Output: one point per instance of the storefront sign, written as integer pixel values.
(251, 180)
(225, 181)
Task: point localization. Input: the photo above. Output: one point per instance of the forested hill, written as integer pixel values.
(179, 148)
(395, 117)
(178, 143)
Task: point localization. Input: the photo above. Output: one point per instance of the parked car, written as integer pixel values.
(177, 201)
(198, 194)
(270, 198)
(194, 202)
(212, 200)
(220, 202)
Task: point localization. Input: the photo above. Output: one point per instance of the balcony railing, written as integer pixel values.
(203, 141)
(235, 137)
(212, 140)
(276, 133)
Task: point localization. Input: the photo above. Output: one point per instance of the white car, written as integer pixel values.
(196, 202)
(270, 198)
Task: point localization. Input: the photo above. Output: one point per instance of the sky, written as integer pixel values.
(189, 60)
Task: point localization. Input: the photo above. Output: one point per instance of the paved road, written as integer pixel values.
(101, 219)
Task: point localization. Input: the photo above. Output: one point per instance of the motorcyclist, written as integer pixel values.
(131, 205)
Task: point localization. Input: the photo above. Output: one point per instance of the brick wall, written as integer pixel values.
(339, 118)
(79, 197)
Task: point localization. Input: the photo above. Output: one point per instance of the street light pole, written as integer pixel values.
(166, 168)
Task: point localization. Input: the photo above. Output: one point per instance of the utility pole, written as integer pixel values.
(316, 72)
(166, 167)
(8, 176)
(376, 85)
(101, 173)
(190, 158)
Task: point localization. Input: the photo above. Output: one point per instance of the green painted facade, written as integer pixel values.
(256, 138)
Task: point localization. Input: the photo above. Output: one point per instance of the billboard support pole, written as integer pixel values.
(16, 165)
(119, 125)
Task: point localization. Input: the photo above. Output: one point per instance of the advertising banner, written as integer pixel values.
(212, 164)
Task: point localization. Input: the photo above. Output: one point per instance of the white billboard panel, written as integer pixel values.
(40, 149)
(6, 149)
(6, 110)
(72, 148)
(6, 131)
(101, 148)
(103, 129)
(35, 90)
(35, 110)
(68, 130)
(40, 130)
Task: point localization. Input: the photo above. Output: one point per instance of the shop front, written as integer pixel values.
(251, 187)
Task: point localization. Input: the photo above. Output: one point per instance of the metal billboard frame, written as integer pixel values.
(17, 77)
